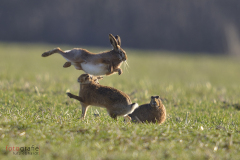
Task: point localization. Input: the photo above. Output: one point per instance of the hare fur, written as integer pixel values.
(104, 63)
(115, 101)
(154, 112)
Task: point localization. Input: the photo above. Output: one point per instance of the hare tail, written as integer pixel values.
(133, 107)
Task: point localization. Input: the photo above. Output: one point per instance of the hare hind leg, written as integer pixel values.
(114, 116)
(67, 64)
(56, 50)
(127, 119)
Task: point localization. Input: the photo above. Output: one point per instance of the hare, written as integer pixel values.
(153, 112)
(115, 101)
(104, 63)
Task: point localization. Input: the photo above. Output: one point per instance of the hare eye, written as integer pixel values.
(122, 54)
(119, 57)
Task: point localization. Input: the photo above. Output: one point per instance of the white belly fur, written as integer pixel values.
(94, 69)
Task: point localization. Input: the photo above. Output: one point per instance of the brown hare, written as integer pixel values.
(104, 63)
(154, 112)
(115, 101)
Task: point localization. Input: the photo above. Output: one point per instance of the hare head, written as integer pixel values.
(155, 101)
(116, 43)
(87, 78)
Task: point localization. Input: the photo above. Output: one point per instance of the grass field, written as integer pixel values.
(201, 95)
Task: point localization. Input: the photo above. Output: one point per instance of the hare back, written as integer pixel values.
(99, 95)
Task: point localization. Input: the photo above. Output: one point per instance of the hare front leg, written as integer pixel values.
(84, 110)
(70, 95)
(111, 70)
(84, 106)
(119, 70)
(56, 50)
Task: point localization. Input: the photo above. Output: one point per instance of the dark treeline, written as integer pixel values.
(179, 25)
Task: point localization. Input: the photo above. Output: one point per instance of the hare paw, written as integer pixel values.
(119, 71)
(67, 64)
(127, 119)
(70, 95)
(45, 54)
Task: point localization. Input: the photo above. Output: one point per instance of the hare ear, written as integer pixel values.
(86, 78)
(113, 41)
(157, 97)
(152, 97)
(118, 39)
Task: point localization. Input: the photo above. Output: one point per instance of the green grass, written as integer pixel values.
(201, 95)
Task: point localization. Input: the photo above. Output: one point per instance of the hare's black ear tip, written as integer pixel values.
(157, 97)
(152, 97)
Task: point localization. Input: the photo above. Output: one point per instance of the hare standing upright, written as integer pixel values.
(153, 112)
(115, 101)
(104, 63)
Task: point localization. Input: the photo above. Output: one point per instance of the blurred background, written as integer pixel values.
(194, 26)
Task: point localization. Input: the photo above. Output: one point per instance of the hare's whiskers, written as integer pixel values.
(126, 66)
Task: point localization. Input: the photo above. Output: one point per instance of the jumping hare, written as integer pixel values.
(154, 112)
(104, 63)
(115, 101)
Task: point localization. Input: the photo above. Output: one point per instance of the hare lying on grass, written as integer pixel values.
(115, 101)
(104, 63)
(153, 112)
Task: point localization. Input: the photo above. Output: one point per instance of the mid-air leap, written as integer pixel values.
(104, 63)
